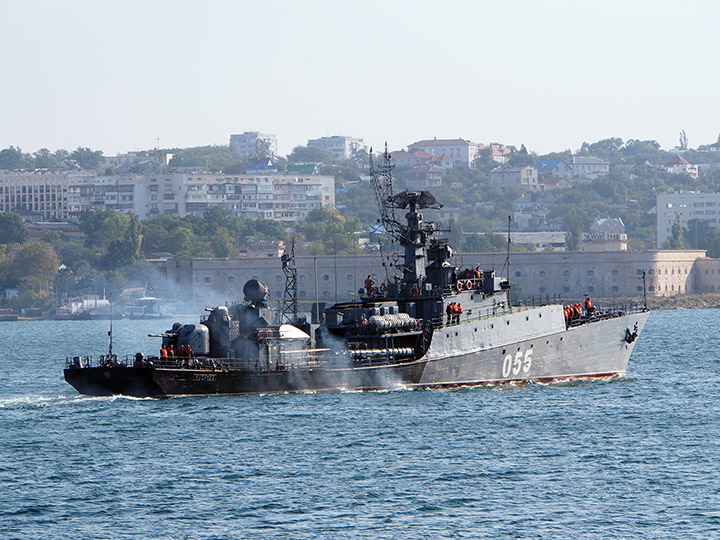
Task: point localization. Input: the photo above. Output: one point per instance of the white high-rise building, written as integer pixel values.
(341, 146)
(246, 144)
(688, 205)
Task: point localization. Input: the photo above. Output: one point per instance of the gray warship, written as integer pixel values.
(403, 334)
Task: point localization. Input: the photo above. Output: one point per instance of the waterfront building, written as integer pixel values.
(568, 275)
(688, 205)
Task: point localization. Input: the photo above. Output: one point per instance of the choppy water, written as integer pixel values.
(630, 458)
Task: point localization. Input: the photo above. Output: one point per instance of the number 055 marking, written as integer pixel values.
(519, 362)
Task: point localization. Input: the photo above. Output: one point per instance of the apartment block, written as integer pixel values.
(246, 144)
(688, 205)
(44, 193)
(283, 197)
(342, 147)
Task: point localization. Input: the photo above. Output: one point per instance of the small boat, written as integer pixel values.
(148, 307)
(7, 314)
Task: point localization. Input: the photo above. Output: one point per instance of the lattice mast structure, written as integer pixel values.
(289, 311)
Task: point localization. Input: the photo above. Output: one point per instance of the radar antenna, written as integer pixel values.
(289, 309)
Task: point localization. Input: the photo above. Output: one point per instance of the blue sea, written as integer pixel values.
(636, 457)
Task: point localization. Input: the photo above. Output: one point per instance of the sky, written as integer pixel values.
(118, 76)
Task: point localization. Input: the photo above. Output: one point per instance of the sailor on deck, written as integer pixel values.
(369, 283)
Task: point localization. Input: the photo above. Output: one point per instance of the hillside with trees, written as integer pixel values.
(114, 248)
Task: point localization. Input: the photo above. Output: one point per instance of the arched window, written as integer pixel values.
(566, 273)
(231, 278)
(207, 279)
(614, 272)
(325, 277)
(541, 273)
(590, 273)
(566, 289)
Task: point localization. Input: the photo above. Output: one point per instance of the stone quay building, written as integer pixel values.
(567, 275)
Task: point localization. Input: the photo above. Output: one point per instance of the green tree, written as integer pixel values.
(87, 158)
(574, 231)
(310, 154)
(12, 228)
(222, 244)
(676, 240)
(100, 226)
(213, 158)
(13, 158)
(698, 234)
(125, 251)
(35, 265)
(44, 159)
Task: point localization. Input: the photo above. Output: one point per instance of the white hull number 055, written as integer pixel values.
(520, 362)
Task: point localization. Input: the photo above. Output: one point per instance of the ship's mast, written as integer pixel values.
(289, 309)
(383, 185)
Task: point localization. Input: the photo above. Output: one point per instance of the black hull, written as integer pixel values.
(596, 350)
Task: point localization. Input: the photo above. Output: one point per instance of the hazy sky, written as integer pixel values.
(116, 76)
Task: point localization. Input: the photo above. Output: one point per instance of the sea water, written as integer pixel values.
(634, 457)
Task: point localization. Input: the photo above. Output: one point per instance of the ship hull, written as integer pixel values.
(495, 350)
